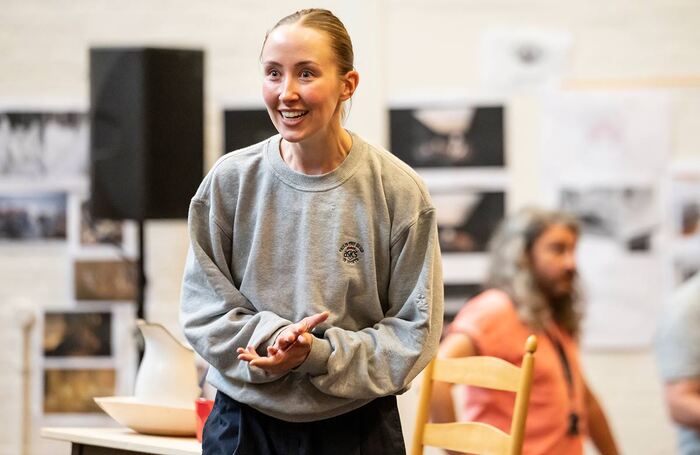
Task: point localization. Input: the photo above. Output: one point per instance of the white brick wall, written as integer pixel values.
(411, 45)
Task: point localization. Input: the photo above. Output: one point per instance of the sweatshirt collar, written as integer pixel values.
(322, 182)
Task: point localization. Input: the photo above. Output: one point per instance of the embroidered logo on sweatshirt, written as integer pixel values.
(351, 251)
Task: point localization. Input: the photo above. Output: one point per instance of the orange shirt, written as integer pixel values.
(491, 322)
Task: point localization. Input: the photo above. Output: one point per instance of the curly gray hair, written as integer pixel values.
(510, 269)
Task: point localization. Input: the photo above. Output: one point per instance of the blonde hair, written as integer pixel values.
(510, 270)
(328, 23)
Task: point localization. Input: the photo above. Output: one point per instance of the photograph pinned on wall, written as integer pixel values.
(244, 127)
(627, 217)
(77, 334)
(105, 279)
(71, 391)
(99, 231)
(47, 145)
(98, 238)
(448, 135)
(467, 218)
(456, 296)
(33, 217)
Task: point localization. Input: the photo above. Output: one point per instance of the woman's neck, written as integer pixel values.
(316, 156)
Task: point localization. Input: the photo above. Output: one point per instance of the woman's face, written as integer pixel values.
(302, 88)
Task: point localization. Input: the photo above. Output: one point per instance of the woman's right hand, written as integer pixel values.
(290, 349)
(290, 334)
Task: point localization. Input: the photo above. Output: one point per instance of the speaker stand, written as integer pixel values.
(141, 287)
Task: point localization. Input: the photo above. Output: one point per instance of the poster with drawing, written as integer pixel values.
(603, 156)
(514, 58)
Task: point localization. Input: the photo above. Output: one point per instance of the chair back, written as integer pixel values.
(480, 371)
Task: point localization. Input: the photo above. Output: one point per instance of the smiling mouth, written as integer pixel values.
(293, 114)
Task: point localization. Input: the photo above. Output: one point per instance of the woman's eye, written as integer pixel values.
(306, 74)
(273, 73)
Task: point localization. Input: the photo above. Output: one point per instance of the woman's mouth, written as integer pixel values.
(292, 115)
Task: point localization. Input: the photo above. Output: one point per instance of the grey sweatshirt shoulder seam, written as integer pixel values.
(216, 221)
(401, 166)
(405, 229)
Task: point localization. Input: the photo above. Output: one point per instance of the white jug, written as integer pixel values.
(167, 375)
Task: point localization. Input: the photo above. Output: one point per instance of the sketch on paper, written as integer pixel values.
(33, 216)
(626, 216)
(603, 158)
(463, 136)
(43, 144)
(77, 334)
(105, 280)
(73, 390)
(618, 261)
(244, 127)
(513, 58)
(467, 218)
(596, 138)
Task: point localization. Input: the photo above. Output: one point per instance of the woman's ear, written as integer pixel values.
(350, 81)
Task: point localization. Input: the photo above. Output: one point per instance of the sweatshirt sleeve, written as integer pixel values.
(383, 359)
(215, 316)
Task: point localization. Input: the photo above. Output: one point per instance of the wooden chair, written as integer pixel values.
(480, 371)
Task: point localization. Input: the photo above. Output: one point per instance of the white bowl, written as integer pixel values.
(150, 418)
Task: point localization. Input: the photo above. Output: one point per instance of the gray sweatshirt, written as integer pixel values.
(270, 246)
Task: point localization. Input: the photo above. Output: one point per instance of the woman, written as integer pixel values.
(313, 284)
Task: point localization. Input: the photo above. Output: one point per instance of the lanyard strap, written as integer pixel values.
(573, 429)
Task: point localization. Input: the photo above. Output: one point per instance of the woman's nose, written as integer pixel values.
(288, 90)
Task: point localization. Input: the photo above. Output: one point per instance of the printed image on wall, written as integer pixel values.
(626, 216)
(33, 216)
(467, 218)
(244, 127)
(466, 136)
(98, 231)
(77, 334)
(73, 390)
(43, 144)
(105, 280)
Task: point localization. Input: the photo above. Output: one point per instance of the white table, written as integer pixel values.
(121, 441)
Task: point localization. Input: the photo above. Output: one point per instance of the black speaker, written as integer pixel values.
(147, 131)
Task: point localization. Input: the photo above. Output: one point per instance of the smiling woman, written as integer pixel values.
(313, 285)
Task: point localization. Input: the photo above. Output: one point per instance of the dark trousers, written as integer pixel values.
(235, 428)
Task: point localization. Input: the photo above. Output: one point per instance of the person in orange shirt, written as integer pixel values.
(532, 289)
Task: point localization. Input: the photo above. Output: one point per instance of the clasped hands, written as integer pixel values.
(289, 350)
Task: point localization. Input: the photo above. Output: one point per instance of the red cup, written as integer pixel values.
(203, 408)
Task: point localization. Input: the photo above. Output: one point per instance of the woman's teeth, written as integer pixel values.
(295, 114)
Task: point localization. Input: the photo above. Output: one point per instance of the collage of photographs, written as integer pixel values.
(44, 159)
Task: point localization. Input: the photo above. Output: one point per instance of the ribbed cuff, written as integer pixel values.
(262, 348)
(316, 363)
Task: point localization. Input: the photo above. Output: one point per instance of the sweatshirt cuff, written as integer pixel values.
(316, 363)
(262, 348)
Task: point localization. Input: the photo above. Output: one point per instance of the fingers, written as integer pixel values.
(248, 354)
